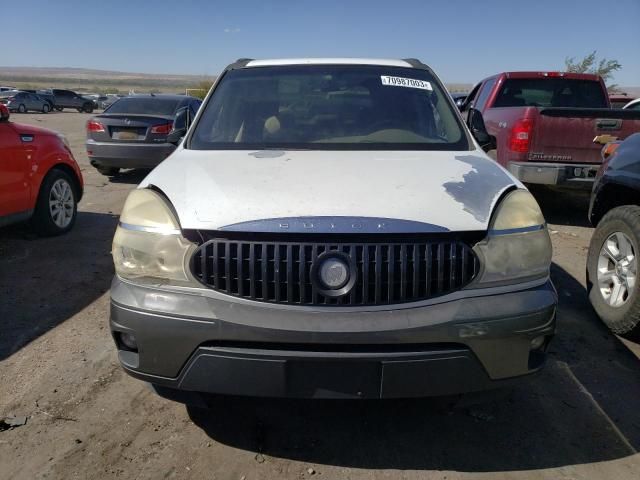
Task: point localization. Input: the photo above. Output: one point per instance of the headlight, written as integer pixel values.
(148, 246)
(518, 247)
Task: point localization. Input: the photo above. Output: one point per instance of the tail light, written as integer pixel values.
(609, 149)
(521, 135)
(165, 128)
(94, 126)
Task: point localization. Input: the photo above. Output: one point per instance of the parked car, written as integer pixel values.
(102, 101)
(612, 265)
(7, 89)
(324, 225)
(46, 95)
(132, 133)
(69, 99)
(18, 101)
(459, 99)
(619, 100)
(98, 99)
(111, 98)
(40, 180)
(632, 105)
(542, 124)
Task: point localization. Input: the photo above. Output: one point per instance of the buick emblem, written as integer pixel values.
(334, 273)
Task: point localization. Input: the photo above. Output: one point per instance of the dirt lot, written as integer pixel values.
(579, 419)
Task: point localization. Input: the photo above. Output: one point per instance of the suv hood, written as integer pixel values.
(429, 190)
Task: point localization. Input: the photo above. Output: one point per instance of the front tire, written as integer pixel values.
(56, 208)
(45, 108)
(22, 108)
(87, 108)
(612, 270)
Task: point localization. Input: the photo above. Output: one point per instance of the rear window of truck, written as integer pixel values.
(551, 92)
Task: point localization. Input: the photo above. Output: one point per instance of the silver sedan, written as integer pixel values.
(23, 102)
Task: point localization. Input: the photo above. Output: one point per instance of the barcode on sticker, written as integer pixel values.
(405, 82)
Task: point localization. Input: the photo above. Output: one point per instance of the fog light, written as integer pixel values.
(129, 341)
(537, 343)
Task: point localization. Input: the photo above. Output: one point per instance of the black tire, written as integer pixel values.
(87, 108)
(80, 110)
(59, 109)
(108, 171)
(45, 108)
(624, 319)
(43, 221)
(22, 108)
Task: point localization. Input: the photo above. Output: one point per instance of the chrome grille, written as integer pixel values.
(386, 273)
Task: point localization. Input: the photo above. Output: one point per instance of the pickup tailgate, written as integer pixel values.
(565, 135)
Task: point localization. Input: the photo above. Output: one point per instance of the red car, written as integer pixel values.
(40, 180)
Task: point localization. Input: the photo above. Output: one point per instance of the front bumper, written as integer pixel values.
(562, 174)
(208, 342)
(127, 155)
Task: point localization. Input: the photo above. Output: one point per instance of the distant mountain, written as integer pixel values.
(85, 79)
(91, 79)
(88, 73)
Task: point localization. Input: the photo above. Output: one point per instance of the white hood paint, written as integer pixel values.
(213, 189)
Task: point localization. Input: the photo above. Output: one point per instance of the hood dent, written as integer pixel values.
(479, 188)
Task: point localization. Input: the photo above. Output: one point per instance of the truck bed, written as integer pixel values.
(566, 134)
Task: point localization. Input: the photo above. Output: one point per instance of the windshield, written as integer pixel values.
(329, 107)
(144, 105)
(551, 92)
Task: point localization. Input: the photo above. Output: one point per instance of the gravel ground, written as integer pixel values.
(578, 419)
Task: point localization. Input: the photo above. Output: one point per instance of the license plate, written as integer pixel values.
(125, 135)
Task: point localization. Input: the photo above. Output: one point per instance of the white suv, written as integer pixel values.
(330, 228)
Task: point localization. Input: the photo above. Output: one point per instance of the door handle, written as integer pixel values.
(608, 124)
(26, 138)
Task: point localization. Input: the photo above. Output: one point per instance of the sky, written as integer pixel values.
(462, 40)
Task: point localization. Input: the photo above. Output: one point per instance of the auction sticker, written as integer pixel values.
(405, 82)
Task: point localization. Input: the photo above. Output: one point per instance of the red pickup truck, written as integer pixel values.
(542, 125)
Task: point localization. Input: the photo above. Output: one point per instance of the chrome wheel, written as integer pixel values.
(61, 203)
(617, 269)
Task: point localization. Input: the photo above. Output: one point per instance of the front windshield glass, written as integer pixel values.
(329, 107)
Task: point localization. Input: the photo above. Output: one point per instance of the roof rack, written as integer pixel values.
(415, 63)
(240, 63)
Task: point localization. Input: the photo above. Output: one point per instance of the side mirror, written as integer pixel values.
(460, 103)
(4, 113)
(479, 131)
(181, 125)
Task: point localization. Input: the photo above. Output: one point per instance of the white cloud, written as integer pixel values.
(232, 30)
